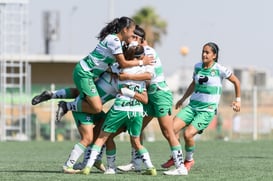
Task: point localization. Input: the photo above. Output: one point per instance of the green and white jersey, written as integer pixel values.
(107, 85)
(124, 103)
(158, 77)
(208, 86)
(102, 56)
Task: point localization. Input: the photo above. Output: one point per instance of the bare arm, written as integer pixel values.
(141, 97)
(189, 91)
(142, 76)
(123, 63)
(236, 105)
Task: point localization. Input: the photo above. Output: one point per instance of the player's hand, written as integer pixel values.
(123, 76)
(148, 60)
(236, 106)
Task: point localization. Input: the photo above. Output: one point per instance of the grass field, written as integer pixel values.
(214, 160)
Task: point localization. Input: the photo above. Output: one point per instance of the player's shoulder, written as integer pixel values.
(148, 49)
(198, 64)
(112, 37)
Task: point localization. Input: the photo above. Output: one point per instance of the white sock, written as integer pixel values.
(94, 153)
(178, 158)
(189, 156)
(59, 94)
(133, 154)
(136, 159)
(111, 161)
(73, 106)
(76, 152)
(103, 148)
(146, 157)
(86, 155)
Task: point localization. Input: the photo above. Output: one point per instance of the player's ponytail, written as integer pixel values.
(115, 26)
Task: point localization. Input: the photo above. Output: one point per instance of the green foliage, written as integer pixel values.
(151, 22)
(214, 160)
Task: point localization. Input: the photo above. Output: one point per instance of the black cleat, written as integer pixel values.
(44, 96)
(61, 111)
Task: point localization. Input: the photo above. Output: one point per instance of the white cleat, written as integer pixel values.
(126, 168)
(110, 171)
(178, 171)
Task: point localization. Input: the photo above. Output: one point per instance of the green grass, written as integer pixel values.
(214, 160)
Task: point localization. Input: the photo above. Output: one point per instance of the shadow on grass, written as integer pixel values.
(30, 171)
(254, 157)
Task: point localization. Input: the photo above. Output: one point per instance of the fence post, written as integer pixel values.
(255, 121)
(52, 121)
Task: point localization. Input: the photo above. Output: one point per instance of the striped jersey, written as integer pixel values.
(158, 74)
(125, 103)
(208, 86)
(102, 56)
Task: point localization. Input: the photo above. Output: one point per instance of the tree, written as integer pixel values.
(153, 25)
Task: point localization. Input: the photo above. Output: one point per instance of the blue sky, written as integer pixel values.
(242, 28)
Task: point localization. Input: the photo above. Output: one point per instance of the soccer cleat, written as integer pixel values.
(70, 170)
(150, 171)
(177, 171)
(79, 166)
(99, 165)
(168, 163)
(110, 171)
(61, 111)
(44, 96)
(86, 170)
(188, 164)
(126, 168)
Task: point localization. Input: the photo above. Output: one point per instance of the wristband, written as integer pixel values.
(238, 99)
(140, 62)
(127, 92)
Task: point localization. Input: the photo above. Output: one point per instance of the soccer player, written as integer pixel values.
(107, 89)
(204, 91)
(127, 111)
(108, 51)
(159, 105)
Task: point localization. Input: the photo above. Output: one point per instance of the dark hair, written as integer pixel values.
(215, 49)
(133, 52)
(115, 26)
(140, 32)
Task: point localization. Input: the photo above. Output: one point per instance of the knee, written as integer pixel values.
(87, 140)
(187, 135)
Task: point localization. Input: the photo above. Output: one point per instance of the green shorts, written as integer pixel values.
(116, 119)
(160, 103)
(84, 81)
(86, 118)
(199, 119)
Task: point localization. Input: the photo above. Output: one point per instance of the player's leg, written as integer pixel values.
(135, 163)
(65, 93)
(166, 126)
(111, 124)
(88, 101)
(134, 130)
(95, 151)
(85, 127)
(98, 121)
(199, 123)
